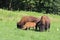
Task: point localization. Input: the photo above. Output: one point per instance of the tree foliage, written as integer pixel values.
(49, 6)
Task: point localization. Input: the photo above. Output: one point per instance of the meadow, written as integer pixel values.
(9, 31)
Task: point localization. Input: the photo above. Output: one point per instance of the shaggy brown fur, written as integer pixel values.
(26, 19)
(43, 24)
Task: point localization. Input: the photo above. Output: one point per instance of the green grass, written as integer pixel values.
(9, 31)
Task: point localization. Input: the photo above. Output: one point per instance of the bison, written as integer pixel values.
(29, 25)
(26, 19)
(43, 24)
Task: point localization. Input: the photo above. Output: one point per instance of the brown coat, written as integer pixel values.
(44, 23)
(26, 19)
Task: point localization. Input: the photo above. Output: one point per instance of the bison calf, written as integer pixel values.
(29, 25)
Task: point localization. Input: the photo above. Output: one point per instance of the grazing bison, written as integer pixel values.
(43, 24)
(29, 25)
(26, 19)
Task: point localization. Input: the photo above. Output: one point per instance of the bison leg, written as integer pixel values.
(24, 28)
(36, 27)
(29, 28)
(42, 28)
(47, 27)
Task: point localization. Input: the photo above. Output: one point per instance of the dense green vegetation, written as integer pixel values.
(49, 6)
(9, 31)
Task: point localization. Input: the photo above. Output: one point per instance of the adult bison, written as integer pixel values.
(26, 19)
(43, 24)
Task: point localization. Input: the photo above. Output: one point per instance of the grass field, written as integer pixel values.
(9, 31)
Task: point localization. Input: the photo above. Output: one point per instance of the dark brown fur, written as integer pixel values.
(43, 24)
(26, 19)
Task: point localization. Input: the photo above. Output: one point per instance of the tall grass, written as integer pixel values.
(9, 31)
